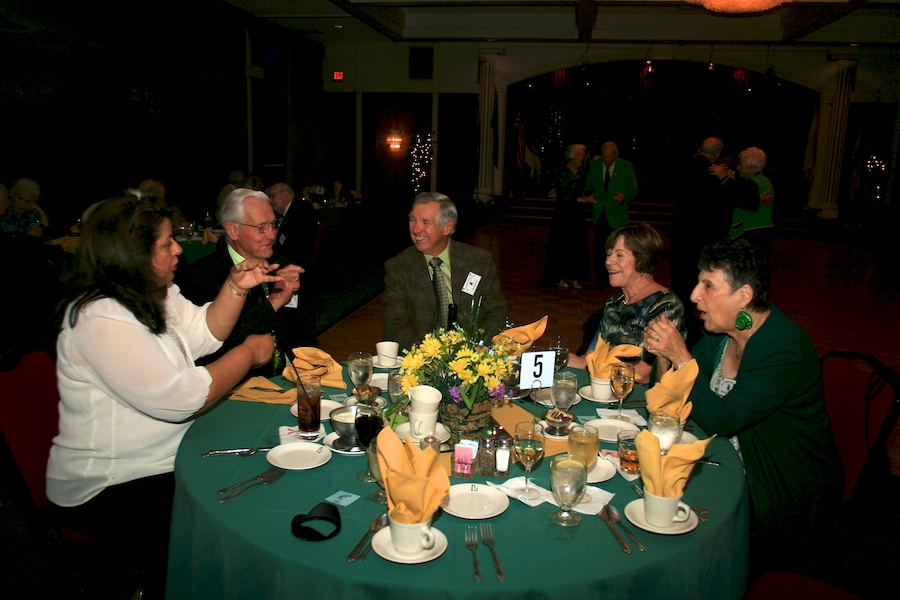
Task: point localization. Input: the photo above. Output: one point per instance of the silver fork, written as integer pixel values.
(472, 544)
(700, 511)
(259, 476)
(266, 478)
(487, 536)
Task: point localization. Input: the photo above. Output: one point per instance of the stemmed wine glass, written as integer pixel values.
(360, 365)
(529, 445)
(560, 346)
(375, 469)
(368, 424)
(621, 382)
(568, 478)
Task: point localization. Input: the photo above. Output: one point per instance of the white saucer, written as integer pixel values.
(329, 443)
(544, 398)
(687, 438)
(379, 380)
(377, 363)
(634, 512)
(603, 470)
(607, 429)
(325, 408)
(442, 433)
(474, 501)
(299, 456)
(585, 393)
(383, 547)
(554, 437)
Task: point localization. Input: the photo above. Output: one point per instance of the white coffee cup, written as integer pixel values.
(600, 389)
(421, 425)
(387, 353)
(411, 538)
(664, 512)
(424, 399)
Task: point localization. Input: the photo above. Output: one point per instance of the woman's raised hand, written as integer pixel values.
(663, 339)
(252, 272)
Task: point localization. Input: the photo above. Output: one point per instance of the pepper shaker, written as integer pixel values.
(485, 460)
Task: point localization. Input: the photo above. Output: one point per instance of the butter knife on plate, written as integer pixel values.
(238, 451)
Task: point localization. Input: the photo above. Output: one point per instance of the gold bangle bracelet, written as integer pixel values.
(236, 290)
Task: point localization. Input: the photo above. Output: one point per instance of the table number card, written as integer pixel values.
(536, 367)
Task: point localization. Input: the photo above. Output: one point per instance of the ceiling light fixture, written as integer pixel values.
(738, 6)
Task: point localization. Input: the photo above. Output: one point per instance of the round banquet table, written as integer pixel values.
(243, 548)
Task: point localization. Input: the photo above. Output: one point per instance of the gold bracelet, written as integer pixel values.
(235, 289)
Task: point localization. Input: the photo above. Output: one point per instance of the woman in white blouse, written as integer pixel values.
(128, 384)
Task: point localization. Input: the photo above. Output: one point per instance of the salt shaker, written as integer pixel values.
(430, 440)
(502, 456)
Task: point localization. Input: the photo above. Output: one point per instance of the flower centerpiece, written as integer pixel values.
(468, 374)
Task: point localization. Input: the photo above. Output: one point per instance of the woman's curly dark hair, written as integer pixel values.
(743, 263)
(113, 259)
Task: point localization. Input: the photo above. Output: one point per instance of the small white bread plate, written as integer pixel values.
(608, 429)
(377, 363)
(325, 408)
(299, 456)
(603, 470)
(329, 443)
(383, 547)
(474, 501)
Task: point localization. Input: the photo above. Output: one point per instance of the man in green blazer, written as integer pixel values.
(612, 185)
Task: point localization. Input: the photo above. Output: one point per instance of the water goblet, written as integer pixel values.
(584, 441)
(529, 446)
(360, 366)
(621, 382)
(563, 390)
(666, 426)
(568, 478)
(560, 346)
(368, 424)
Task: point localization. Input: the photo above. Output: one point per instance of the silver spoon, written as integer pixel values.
(616, 517)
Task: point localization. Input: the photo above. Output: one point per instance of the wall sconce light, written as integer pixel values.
(394, 140)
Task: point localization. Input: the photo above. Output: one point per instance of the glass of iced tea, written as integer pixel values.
(628, 456)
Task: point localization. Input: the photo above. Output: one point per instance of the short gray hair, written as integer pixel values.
(570, 150)
(232, 210)
(447, 211)
(754, 159)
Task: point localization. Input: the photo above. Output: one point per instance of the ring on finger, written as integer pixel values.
(657, 337)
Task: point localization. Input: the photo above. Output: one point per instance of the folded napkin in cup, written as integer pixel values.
(602, 357)
(673, 390)
(414, 481)
(209, 237)
(667, 475)
(312, 361)
(519, 339)
(255, 390)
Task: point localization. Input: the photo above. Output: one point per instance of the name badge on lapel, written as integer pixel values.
(292, 303)
(471, 284)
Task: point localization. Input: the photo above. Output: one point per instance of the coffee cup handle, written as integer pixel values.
(427, 538)
(682, 513)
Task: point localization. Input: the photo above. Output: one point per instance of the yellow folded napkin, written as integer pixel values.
(509, 415)
(667, 475)
(246, 392)
(414, 480)
(673, 390)
(69, 243)
(312, 361)
(209, 237)
(602, 356)
(519, 339)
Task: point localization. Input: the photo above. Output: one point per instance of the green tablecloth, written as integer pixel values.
(243, 548)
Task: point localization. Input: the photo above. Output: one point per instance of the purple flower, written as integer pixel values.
(455, 395)
(498, 391)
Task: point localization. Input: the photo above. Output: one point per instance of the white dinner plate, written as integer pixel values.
(299, 456)
(383, 547)
(603, 470)
(474, 501)
(609, 428)
(687, 438)
(442, 433)
(634, 512)
(329, 443)
(585, 393)
(543, 397)
(376, 362)
(325, 408)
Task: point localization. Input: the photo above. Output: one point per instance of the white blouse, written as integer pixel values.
(125, 395)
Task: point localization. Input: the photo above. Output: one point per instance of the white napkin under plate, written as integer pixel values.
(633, 416)
(613, 457)
(288, 435)
(599, 498)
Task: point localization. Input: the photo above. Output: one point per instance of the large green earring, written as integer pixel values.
(744, 321)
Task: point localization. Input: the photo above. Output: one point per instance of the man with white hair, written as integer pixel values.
(250, 227)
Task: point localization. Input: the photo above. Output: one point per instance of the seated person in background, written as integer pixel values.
(249, 225)
(468, 274)
(152, 188)
(252, 182)
(296, 236)
(19, 213)
(128, 382)
(234, 182)
(760, 383)
(632, 253)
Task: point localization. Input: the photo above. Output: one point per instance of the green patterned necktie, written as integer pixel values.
(440, 291)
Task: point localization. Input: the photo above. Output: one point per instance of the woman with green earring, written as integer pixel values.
(760, 384)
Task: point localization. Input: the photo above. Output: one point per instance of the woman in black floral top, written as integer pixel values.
(632, 253)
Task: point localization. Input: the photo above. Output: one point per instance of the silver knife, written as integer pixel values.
(379, 522)
(248, 451)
